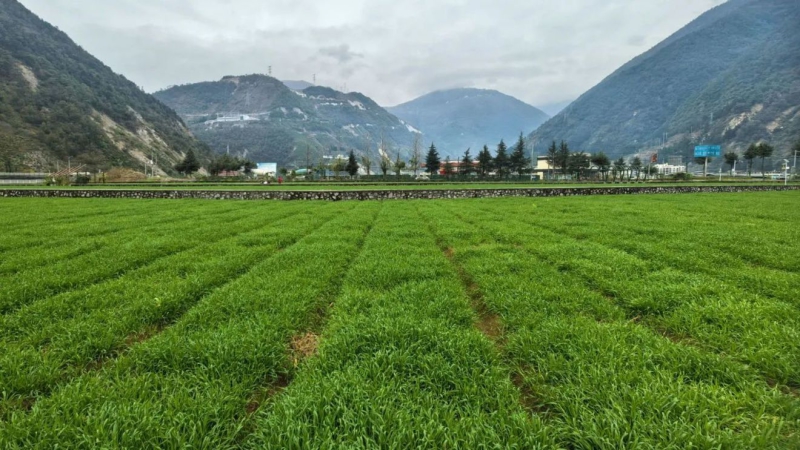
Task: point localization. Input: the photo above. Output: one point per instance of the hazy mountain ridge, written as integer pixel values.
(458, 119)
(297, 85)
(738, 61)
(58, 102)
(272, 122)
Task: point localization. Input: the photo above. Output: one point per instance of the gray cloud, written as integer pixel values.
(541, 51)
(340, 53)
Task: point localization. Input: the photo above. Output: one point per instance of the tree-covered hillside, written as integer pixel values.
(458, 119)
(59, 103)
(261, 117)
(731, 77)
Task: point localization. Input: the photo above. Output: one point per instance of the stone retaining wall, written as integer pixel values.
(382, 194)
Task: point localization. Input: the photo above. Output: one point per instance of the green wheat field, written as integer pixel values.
(579, 323)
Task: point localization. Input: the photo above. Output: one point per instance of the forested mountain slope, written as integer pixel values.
(731, 77)
(58, 102)
(261, 117)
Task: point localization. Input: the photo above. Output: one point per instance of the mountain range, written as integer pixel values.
(458, 119)
(260, 117)
(59, 103)
(730, 77)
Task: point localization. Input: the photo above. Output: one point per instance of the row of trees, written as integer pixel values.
(222, 163)
(503, 163)
(761, 150)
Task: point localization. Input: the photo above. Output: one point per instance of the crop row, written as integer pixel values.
(44, 245)
(49, 223)
(190, 384)
(137, 248)
(762, 332)
(600, 379)
(514, 323)
(53, 339)
(400, 364)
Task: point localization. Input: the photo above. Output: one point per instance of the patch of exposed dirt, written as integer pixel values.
(490, 326)
(304, 346)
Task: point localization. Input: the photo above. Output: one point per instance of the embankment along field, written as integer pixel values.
(595, 322)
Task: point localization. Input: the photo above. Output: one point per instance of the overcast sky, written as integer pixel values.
(541, 51)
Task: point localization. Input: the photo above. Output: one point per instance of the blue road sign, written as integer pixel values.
(707, 151)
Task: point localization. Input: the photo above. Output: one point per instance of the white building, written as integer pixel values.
(233, 118)
(267, 169)
(669, 169)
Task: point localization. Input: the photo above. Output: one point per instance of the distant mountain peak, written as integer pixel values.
(461, 118)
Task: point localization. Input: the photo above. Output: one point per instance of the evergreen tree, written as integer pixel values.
(764, 151)
(562, 157)
(518, 161)
(448, 168)
(398, 165)
(466, 164)
(352, 165)
(248, 166)
(730, 159)
(636, 166)
(225, 163)
(601, 161)
(432, 161)
(552, 156)
(485, 161)
(578, 162)
(619, 168)
(749, 155)
(189, 165)
(501, 162)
